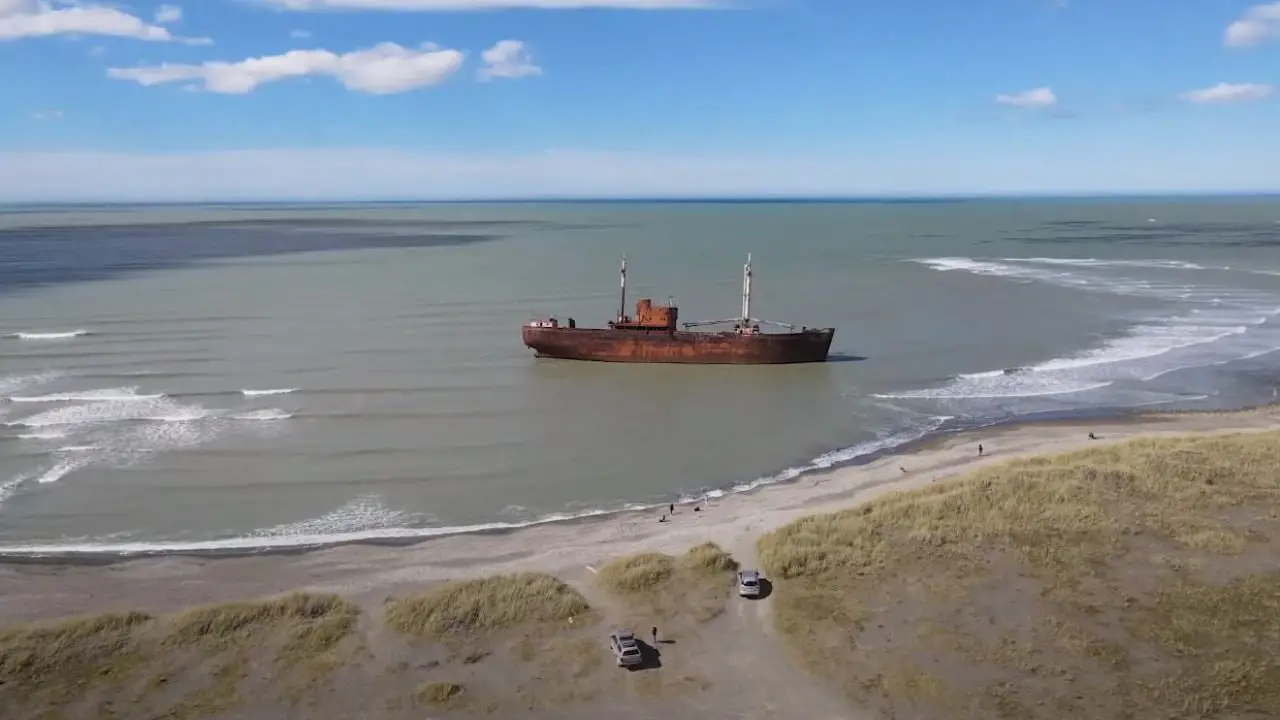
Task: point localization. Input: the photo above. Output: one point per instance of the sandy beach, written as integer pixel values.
(38, 589)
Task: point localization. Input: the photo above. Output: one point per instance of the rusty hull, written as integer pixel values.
(673, 346)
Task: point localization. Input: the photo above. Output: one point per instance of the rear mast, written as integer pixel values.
(745, 323)
(622, 301)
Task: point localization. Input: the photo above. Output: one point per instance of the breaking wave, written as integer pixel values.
(48, 335)
(1204, 326)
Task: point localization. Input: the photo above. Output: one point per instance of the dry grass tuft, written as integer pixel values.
(54, 666)
(439, 694)
(637, 573)
(471, 607)
(1051, 586)
(709, 558)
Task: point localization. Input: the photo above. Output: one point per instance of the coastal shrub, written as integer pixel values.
(484, 605)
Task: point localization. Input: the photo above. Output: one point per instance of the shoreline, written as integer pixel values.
(44, 587)
(248, 546)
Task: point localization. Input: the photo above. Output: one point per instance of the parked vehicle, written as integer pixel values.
(749, 583)
(624, 647)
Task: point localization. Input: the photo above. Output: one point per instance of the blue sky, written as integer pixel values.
(459, 98)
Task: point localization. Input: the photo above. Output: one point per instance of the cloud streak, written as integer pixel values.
(383, 69)
(38, 18)
(1229, 93)
(1041, 97)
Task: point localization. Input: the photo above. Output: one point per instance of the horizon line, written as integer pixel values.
(659, 199)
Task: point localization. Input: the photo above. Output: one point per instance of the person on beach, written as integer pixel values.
(654, 630)
(671, 507)
(1092, 436)
(979, 449)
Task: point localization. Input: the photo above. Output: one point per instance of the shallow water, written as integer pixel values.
(262, 376)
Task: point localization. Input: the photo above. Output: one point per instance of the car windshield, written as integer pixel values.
(749, 581)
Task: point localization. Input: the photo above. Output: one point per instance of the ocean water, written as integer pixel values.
(237, 377)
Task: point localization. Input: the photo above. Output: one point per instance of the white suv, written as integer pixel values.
(749, 583)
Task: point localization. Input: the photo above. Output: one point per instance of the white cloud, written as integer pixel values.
(457, 5)
(1259, 24)
(382, 69)
(507, 59)
(40, 18)
(47, 115)
(166, 14)
(300, 34)
(1037, 98)
(1229, 93)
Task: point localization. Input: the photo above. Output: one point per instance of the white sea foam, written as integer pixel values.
(62, 469)
(15, 383)
(268, 414)
(45, 435)
(66, 335)
(112, 427)
(268, 391)
(1096, 262)
(1207, 325)
(125, 394)
(100, 412)
(360, 515)
(11, 486)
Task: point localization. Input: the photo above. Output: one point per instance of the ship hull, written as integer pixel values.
(663, 346)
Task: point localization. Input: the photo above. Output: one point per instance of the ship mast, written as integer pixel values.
(622, 301)
(745, 322)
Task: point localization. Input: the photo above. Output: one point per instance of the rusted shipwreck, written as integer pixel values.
(651, 336)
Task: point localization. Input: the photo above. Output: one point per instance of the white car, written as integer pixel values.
(749, 583)
(625, 649)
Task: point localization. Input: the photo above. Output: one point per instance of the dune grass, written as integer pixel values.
(475, 607)
(693, 586)
(1083, 568)
(56, 665)
(637, 573)
(708, 559)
